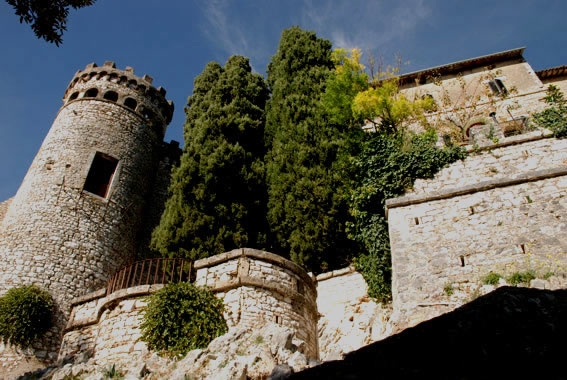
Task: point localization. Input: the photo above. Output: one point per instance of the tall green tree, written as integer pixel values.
(306, 207)
(217, 195)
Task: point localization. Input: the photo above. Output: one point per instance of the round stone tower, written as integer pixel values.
(74, 219)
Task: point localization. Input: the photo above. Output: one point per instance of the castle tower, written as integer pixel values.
(76, 215)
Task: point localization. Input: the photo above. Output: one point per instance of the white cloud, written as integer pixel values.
(252, 27)
(221, 29)
(368, 25)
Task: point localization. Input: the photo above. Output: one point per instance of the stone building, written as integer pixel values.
(97, 186)
(503, 210)
(102, 172)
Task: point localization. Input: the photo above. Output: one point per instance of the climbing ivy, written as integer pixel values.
(387, 166)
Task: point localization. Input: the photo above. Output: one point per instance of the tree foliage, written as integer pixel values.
(25, 315)
(387, 166)
(554, 117)
(182, 317)
(306, 200)
(384, 105)
(345, 81)
(48, 18)
(217, 194)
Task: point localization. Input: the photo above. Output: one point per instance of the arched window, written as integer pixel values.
(91, 93)
(130, 103)
(74, 96)
(148, 114)
(111, 95)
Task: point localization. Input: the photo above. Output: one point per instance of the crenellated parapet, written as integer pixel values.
(137, 94)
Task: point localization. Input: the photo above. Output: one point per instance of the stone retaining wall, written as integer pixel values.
(502, 210)
(256, 287)
(348, 318)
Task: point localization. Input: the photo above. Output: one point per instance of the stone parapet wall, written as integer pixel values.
(256, 287)
(470, 220)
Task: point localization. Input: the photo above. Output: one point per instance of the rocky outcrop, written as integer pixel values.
(348, 318)
(242, 353)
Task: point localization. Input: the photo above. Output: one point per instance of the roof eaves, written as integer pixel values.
(460, 66)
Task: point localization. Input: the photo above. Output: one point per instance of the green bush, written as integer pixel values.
(554, 117)
(448, 290)
(25, 315)
(182, 317)
(491, 278)
(521, 278)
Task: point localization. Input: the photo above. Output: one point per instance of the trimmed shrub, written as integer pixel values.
(182, 317)
(25, 315)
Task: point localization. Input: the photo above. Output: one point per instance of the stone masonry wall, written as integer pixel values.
(348, 318)
(503, 210)
(4, 208)
(255, 286)
(259, 286)
(62, 235)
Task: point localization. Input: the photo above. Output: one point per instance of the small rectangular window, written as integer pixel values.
(497, 86)
(100, 174)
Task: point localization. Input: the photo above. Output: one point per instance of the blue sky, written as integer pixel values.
(172, 40)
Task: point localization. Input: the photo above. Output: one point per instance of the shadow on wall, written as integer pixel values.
(511, 333)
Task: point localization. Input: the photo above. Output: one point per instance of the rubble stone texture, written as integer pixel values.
(57, 232)
(502, 210)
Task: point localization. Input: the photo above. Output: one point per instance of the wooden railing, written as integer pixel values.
(149, 272)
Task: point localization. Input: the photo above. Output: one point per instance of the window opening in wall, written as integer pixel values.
(416, 220)
(300, 287)
(130, 103)
(279, 320)
(100, 174)
(91, 93)
(462, 258)
(111, 95)
(147, 113)
(497, 87)
(74, 95)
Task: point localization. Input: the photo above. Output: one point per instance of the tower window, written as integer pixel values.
(111, 95)
(100, 174)
(91, 93)
(130, 103)
(497, 87)
(74, 96)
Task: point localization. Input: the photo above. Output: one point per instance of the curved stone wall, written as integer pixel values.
(258, 286)
(255, 286)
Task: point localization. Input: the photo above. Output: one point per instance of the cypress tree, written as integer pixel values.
(306, 208)
(217, 194)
